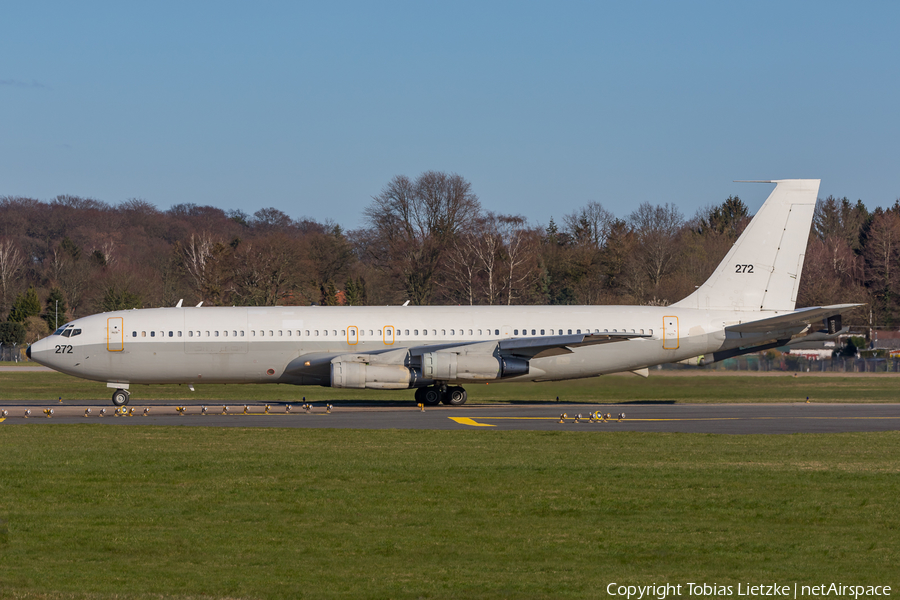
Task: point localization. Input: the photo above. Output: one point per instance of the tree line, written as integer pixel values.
(428, 240)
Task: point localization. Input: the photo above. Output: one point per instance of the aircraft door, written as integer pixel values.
(352, 335)
(670, 333)
(115, 334)
(388, 335)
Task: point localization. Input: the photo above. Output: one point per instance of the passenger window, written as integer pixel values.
(343, 332)
(171, 334)
(143, 334)
(190, 334)
(179, 334)
(479, 332)
(515, 332)
(496, 332)
(542, 332)
(271, 333)
(579, 331)
(134, 334)
(470, 332)
(152, 334)
(307, 333)
(532, 332)
(406, 332)
(370, 332)
(443, 332)
(570, 332)
(280, 332)
(216, 334)
(334, 332)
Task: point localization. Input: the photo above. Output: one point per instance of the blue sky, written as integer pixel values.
(313, 107)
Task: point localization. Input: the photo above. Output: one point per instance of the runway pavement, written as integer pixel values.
(686, 418)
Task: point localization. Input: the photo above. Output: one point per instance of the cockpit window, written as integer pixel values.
(76, 332)
(67, 333)
(62, 329)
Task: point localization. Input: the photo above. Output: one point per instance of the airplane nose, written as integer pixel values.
(28, 352)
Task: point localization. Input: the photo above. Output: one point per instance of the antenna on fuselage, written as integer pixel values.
(179, 303)
(406, 303)
(201, 304)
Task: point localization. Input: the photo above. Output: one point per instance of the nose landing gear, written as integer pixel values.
(120, 397)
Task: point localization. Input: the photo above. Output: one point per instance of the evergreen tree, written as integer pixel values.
(119, 298)
(55, 314)
(26, 305)
(12, 333)
(355, 291)
(329, 294)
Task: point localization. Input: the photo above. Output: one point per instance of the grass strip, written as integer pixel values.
(124, 512)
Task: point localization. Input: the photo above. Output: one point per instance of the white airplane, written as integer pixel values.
(745, 306)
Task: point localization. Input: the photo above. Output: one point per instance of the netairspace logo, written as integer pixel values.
(749, 590)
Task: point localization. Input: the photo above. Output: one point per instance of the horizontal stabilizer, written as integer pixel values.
(804, 316)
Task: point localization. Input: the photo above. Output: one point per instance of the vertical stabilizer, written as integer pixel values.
(762, 269)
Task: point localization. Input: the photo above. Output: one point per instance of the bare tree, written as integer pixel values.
(520, 245)
(656, 229)
(411, 224)
(882, 256)
(11, 262)
(264, 271)
(202, 257)
(589, 225)
(462, 268)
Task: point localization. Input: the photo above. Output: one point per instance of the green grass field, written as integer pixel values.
(95, 511)
(659, 387)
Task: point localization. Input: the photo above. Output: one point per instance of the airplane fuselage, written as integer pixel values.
(274, 344)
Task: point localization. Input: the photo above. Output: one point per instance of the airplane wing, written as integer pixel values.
(318, 364)
(798, 318)
(539, 347)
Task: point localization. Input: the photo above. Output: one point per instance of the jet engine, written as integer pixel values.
(360, 375)
(449, 366)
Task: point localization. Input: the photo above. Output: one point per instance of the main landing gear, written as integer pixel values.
(121, 397)
(435, 394)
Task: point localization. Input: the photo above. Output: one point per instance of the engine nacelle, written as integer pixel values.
(450, 366)
(360, 375)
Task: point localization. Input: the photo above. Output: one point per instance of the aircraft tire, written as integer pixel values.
(431, 396)
(455, 396)
(120, 397)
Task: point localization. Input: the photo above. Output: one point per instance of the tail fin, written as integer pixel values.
(762, 269)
